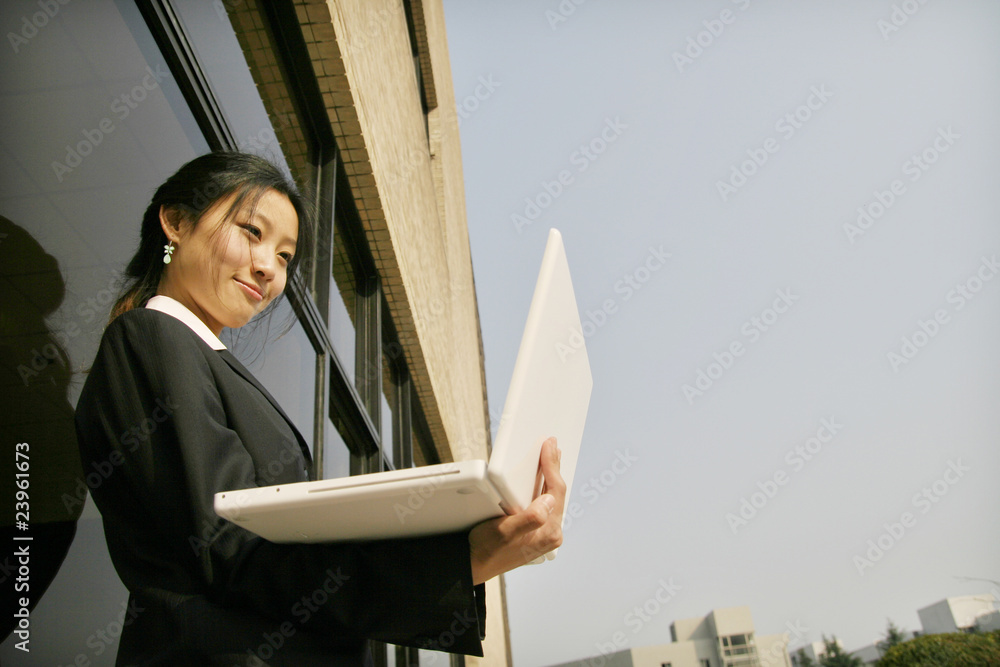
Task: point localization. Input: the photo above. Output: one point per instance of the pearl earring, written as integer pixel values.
(169, 248)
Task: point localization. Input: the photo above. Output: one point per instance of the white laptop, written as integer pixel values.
(548, 396)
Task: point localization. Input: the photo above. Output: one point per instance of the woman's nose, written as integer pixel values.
(264, 264)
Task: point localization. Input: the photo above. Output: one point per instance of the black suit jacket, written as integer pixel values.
(163, 423)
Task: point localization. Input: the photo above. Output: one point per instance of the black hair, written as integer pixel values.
(191, 192)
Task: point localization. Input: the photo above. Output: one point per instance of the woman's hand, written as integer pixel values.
(507, 542)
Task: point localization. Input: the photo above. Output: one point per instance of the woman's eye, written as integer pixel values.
(287, 256)
(252, 230)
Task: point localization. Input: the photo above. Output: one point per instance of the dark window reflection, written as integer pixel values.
(389, 408)
(284, 361)
(336, 456)
(343, 304)
(213, 39)
(93, 122)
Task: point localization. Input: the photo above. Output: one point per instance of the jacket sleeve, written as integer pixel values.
(155, 413)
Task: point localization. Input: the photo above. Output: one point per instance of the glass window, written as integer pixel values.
(238, 74)
(214, 41)
(390, 404)
(283, 361)
(336, 456)
(93, 122)
(343, 303)
(427, 658)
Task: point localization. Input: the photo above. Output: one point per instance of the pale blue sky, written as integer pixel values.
(829, 106)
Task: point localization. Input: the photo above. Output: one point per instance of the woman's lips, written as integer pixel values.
(251, 291)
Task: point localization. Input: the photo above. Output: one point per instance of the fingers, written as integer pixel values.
(504, 543)
(533, 517)
(550, 461)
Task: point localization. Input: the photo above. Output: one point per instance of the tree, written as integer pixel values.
(834, 656)
(954, 649)
(893, 637)
(803, 659)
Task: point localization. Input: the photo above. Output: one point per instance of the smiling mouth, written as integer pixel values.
(253, 292)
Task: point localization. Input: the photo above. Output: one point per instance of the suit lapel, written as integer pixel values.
(248, 376)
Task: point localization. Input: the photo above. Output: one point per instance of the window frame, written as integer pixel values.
(352, 404)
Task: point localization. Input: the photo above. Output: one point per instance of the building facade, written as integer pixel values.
(724, 638)
(376, 355)
(967, 613)
(870, 654)
(811, 652)
(959, 614)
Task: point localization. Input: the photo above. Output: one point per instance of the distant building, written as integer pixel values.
(960, 614)
(814, 651)
(871, 653)
(723, 638)
(964, 613)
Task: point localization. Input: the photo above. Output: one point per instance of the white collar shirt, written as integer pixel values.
(177, 309)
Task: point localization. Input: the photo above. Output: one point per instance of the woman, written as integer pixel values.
(172, 418)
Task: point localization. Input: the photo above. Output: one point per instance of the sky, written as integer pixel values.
(782, 223)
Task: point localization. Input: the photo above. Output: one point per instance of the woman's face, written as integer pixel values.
(226, 271)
